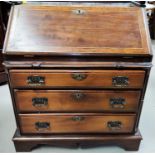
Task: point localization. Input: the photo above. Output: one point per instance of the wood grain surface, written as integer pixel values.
(65, 78)
(66, 123)
(55, 30)
(76, 101)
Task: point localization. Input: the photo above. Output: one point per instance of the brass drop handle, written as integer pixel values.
(78, 96)
(120, 81)
(79, 76)
(35, 80)
(39, 101)
(114, 125)
(42, 125)
(117, 102)
(78, 118)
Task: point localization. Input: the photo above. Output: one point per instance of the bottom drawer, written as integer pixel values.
(76, 123)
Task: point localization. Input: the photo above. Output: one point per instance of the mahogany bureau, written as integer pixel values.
(77, 75)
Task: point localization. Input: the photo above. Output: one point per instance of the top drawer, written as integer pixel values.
(77, 78)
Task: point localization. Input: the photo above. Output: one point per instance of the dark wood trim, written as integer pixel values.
(87, 57)
(127, 141)
(142, 98)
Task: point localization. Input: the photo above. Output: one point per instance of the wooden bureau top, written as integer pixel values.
(76, 30)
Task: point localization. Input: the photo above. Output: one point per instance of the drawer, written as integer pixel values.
(76, 101)
(74, 78)
(76, 123)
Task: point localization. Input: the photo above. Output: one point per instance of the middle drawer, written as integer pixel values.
(76, 101)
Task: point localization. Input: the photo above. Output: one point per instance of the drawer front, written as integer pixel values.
(77, 123)
(76, 101)
(71, 78)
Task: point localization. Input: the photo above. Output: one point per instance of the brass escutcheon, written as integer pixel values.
(79, 76)
(78, 118)
(78, 96)
(79, 12)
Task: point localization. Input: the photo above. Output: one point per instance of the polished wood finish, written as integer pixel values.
(77, 101)
(65, 31)
(29, 142)
(75, 123)
(64, 78)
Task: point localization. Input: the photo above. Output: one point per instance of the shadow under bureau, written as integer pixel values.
(77, 75)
